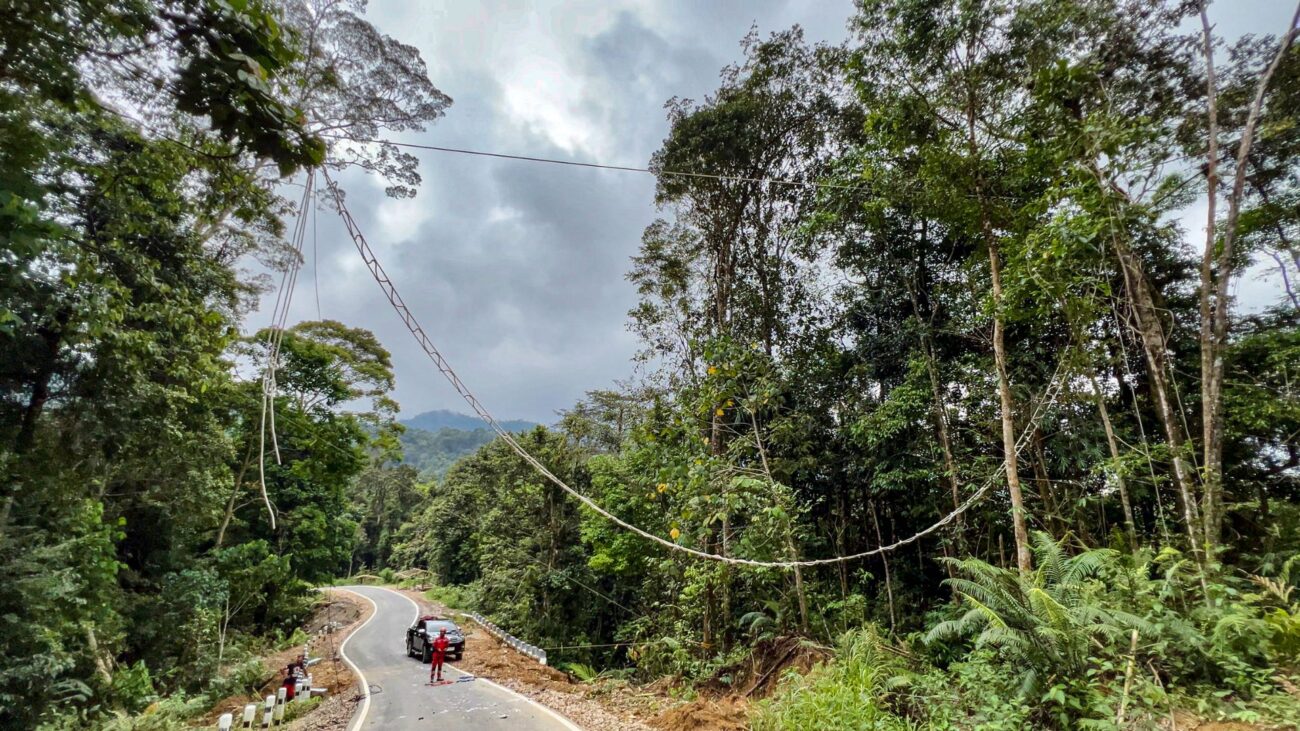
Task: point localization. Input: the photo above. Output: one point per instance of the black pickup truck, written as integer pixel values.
(420, 637)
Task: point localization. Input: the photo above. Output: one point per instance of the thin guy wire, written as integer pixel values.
(597, 166)
(315, 252)
(408, 319)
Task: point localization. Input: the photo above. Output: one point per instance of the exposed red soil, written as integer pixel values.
(730, 713)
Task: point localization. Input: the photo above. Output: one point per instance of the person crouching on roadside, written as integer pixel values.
(438, 655)
(297, 670)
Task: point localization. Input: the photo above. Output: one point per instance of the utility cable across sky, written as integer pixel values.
(597, 166)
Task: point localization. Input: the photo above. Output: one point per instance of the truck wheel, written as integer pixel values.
(426, 656)
(410, 651)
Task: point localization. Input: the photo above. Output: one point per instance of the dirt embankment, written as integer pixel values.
(592, 707)
(614, 706)
(338, 616)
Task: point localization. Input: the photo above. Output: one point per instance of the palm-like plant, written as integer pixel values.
(1049, 621)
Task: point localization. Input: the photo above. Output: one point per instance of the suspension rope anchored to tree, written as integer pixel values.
(408, 319)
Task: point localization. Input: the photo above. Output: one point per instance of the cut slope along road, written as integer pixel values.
(399, 696)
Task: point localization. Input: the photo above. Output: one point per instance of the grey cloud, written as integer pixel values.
(516, 269)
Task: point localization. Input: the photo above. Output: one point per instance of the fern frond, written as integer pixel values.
(1049, 609)
(991, 595)
(1088, 564)
(1004, 638)
(1051, 557)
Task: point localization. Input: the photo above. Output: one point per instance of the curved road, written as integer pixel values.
(400, 698)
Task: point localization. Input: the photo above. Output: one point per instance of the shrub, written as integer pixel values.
(852, 692)
(453, 597)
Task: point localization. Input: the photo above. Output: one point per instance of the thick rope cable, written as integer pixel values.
(279, 317)
(417, 331)
(275, 337)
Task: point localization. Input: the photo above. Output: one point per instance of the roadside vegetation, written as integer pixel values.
(148, 155)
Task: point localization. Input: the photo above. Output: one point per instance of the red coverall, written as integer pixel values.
(439, 652)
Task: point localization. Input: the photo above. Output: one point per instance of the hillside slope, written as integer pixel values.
(445, 419)
(434, 440)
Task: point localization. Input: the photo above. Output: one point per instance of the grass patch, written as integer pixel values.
(453, 597)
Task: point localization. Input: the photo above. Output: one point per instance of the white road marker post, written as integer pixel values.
(225, 722)
(250, 711)
(278, 713)
(266, 714)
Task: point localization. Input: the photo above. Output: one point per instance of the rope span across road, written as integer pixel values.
(426, 344)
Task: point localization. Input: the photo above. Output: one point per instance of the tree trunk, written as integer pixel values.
(840, 527)
(52, 339)
(793, 551)
(1113, 444)
(1151, 333)
(1008, 405)
(940, 411)
(884, 559)
(1216, 274)
(1043, 484)
(1210, 355)
(234, 493)
(1023, 560)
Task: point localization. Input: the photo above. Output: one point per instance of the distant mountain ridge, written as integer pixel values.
(447, 419)
(434, 440)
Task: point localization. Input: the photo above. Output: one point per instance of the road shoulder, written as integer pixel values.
(592, 708)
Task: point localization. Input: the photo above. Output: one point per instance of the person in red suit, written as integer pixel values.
(439, 652)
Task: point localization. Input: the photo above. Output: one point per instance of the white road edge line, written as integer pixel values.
(556, 714)
(358, 719)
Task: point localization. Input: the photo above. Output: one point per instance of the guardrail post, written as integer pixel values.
(518, 645)
(250, 711)
(266, 714)
(280, 694)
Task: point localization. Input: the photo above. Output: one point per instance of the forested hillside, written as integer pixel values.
(444, 419)
(434, 440)
(432, 453)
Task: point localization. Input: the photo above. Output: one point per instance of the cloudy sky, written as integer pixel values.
(516, 269)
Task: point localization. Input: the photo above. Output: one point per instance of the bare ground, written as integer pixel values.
(342, 612)
(618, 706)
(592, 706)
(1184, 721)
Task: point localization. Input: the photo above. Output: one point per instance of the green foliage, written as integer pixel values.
(855, 691)
(453, 597)
(432, 453)
(135, 562)
(387, 497)
(1046, 623)
(818, 375)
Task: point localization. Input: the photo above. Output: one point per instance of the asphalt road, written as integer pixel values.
(400, 697)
